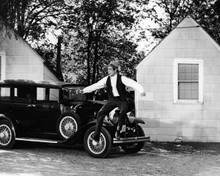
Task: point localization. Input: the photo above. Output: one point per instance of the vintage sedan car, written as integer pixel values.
(56, 112)
(42, 111)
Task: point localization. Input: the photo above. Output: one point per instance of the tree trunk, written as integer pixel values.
(95, 62)
(88, 57)
(58, 65)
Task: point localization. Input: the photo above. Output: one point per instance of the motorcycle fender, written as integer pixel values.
(139, 120)
(108, 124)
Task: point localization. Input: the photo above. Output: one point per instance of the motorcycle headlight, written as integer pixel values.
(131, 116)
(113, 115)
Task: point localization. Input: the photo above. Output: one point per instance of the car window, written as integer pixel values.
(41, 94)
(72, 94)
(5, 93)
(54, 95)
(23, 94)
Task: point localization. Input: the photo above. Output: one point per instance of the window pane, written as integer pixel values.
(195, 86)
(182, 68)
(195, 76)
(5, 93)
(195, 95)
(54, 95)
(188, 81)
(188, 71)
(23, 94)
(195, 68)
(188, 90)
(41, 94)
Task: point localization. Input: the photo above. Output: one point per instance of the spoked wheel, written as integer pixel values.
(67, 125)
(98, 149)
(7, 135)
(134, 147)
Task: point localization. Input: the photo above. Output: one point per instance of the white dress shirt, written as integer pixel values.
(102, 83)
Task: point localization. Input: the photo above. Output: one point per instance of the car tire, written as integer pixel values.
(134, 147)
(100, 149)
(7, 134)
(67, 125)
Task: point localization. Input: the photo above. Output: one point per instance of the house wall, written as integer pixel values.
(189, 121)
(48, 75)
(21, 61)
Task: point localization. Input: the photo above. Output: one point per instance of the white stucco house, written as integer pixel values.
(181, 76)
(19, 61)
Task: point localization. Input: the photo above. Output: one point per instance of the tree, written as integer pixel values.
(93, 33)
(102, 26)
(203, 11)
(31, 20)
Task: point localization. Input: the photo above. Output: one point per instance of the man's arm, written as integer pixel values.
(100, 84)
(133, 84)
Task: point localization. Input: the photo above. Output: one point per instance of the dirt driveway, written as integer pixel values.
(157, 159)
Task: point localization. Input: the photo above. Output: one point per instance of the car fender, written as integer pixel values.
(11, 120)
(79, 134)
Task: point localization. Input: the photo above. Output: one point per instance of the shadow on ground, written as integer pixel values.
(183, 147)
(152, 147)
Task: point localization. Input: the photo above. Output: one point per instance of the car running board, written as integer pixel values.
(49, 141)
(131, 140)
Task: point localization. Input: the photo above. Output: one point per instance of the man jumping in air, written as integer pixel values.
(115, 85)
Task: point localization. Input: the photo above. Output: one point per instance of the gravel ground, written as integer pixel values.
(156, 159)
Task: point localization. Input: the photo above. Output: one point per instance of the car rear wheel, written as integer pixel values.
(67, 125)
(97, 149)
(7, 134)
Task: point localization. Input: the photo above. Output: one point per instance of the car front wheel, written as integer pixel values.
(98, 149)
(67, 125)
(7, 134)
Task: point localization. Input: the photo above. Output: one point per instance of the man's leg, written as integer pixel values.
(123, 106)
(107, 108)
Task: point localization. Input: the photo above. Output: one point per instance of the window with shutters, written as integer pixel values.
(188, 80)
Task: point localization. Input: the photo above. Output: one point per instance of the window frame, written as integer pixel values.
(175, 79)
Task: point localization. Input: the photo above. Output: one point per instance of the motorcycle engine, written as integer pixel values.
(114, 115)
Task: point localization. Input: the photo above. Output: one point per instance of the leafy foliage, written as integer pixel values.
(203, 11)
(100, 26)
(94, 32)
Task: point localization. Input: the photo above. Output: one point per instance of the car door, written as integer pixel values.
(46, 108)
(21, 105)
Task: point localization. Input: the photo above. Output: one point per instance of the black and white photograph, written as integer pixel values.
(109, 87)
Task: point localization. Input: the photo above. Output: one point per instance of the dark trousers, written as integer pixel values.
(106, 109)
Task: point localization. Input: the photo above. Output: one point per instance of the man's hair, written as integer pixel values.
(113, 66)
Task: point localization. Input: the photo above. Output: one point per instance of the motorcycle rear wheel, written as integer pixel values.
(137, 146)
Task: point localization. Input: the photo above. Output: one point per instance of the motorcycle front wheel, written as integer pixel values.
(97, 149)
(137, 146)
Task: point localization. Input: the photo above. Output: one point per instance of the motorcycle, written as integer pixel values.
(131, 140)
